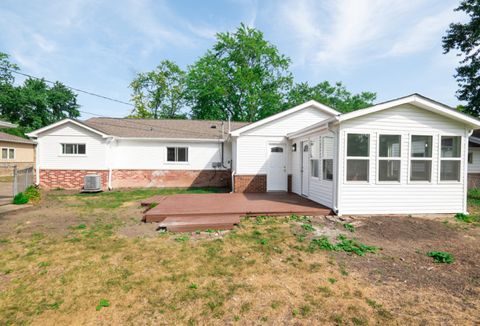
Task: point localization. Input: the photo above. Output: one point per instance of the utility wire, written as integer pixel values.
(72, 88)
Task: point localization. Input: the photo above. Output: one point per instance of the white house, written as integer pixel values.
(405, 156)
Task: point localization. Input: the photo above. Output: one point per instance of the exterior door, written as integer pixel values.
(304, 167)
(277, 169)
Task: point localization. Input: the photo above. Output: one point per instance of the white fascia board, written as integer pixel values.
(35, 133)
(282, 114)
(416, 100)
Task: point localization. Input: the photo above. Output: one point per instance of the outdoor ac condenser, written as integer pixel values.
(92, 183)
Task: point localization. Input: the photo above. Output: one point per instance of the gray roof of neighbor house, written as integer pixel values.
(153, 128)
(14, 139)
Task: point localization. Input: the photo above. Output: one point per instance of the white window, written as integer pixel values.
(74, 149)
(8, 153)
(327, 158)
(358, 157)
(470, 157)
(421, 158)
(450, 158)
(177, 154)
(389, 160)
(314, 158)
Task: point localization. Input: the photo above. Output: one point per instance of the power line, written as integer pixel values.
(72, 88)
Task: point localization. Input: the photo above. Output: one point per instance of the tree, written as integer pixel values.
(465, 38)
(243, 77)
(34, 104)
(159, 94)
(335, 96)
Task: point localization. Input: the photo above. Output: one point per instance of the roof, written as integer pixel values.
(419, 101)
(282, 114)
(14, 139)
(6, 124)
(165, 128)
(151, 128)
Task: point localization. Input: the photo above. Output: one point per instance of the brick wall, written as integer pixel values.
(170, 178)
(251, 183)
(68, 179)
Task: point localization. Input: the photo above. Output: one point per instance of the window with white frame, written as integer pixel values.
(8, 153)
(327, 158)
(389, 160)
(470, 157)
(74, 149)
(314, 158)
(358, 157)
(421, 158)
(450, 158)
(177, 154)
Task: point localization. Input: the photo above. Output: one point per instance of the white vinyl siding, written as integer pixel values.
(319, 189)
(474, 167)
(405, 197)
(50, 155)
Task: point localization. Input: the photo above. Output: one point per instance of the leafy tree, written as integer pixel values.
(335, 96)
(33, 104)
(465, 38)
(243, 77)
(160, 93)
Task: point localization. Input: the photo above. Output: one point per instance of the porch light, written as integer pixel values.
(294, 147)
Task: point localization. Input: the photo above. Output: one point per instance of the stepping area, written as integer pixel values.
(191, 212)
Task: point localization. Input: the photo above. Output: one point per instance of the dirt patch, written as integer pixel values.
(404, 242)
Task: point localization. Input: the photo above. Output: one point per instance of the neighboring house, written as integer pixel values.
(474, 160)
(405, 156)
(15, 152)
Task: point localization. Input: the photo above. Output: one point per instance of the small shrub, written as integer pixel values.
(441, 257)
(20, 199)
(349, 227)
(102, 304)
(32, 193)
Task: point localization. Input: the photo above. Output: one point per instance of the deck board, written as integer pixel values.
(177, 211)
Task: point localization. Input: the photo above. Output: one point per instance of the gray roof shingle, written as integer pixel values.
(155, 128)
(14, 139)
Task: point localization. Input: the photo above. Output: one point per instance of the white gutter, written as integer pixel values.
(200, 140)
(108, 146)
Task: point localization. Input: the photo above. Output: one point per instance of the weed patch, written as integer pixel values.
(467, 218)
(104, 303)
(349, 227)
(441, 257)
(344, 244)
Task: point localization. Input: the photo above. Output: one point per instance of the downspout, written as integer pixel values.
(465, 171)
(337, 172)
(37, 164)
(109, 162)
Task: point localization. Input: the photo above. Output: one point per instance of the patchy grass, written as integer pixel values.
(258, 273)
(116, 198)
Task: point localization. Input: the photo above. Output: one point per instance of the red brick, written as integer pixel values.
(251, 183)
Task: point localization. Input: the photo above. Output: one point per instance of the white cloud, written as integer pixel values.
(346, 33)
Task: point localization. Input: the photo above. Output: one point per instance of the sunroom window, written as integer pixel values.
(389, 160)
(450, 158)
(421, 158)
(358, 157)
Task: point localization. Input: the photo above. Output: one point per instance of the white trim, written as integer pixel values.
(192, 140)
(459, 159)
(358, 158)
(282, 114)
(378, 158)
(8, 158)
(416, 100)
(409, 161)
(35, 133)
(176, 162)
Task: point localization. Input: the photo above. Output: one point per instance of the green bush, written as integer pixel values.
(20, 199)
(467, 218)
(32, 193)
(441, 257)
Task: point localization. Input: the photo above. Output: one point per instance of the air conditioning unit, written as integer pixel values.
(92, 183)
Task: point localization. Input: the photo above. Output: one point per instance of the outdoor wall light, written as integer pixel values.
(294, 147)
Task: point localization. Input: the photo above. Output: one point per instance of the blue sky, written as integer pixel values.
(392, 47)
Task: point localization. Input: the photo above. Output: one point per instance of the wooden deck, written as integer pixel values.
(190, 212)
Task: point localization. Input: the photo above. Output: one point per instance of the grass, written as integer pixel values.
(115, 199)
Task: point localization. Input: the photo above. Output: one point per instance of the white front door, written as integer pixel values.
(305, 167)
(277, 169)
